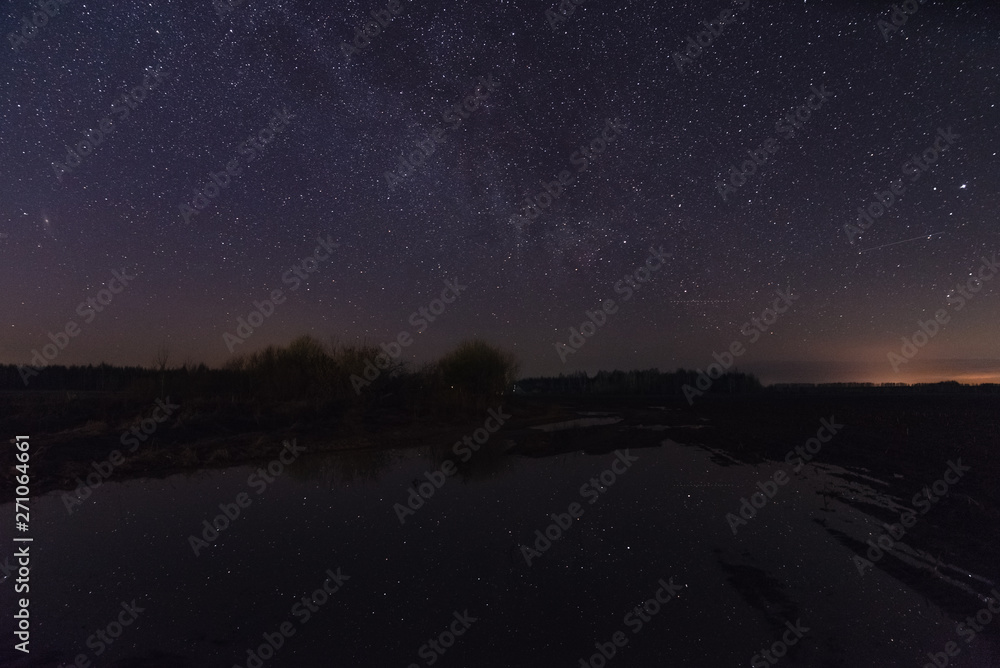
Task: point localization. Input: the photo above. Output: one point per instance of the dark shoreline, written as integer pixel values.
(888, 433)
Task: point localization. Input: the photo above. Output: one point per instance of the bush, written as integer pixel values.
(306, 370)
(476, 373)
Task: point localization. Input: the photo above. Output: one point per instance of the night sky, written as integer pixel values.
(676, 120)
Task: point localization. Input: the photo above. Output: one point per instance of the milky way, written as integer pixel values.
(746, 137)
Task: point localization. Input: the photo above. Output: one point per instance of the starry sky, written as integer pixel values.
(213, 76)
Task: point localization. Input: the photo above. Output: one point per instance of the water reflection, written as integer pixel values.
(344, 468)
(664, 518)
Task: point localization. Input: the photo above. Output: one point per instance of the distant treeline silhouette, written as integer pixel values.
(90, 378)
(636, 382)
(305, 371)
(943, 387)
(659, 383)
(471, 375)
